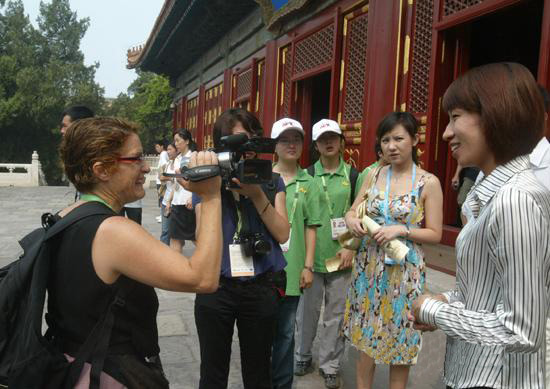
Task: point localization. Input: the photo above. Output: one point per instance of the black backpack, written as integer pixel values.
(353, 175)
(29, 359)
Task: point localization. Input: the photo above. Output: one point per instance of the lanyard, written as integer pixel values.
(387, 215)
(294, 203)
(237, 203)
(91, 197)
(325, 188)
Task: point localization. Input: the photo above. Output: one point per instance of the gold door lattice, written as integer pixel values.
(192, 113)
(355, 58)
(453, 6)
(422, 51)
(285, 80)
(314, 50)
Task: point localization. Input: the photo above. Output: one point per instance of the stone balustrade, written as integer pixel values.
(151, 178)
(22, 174)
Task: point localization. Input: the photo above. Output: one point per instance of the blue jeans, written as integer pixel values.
(282, 361)
(164, 236)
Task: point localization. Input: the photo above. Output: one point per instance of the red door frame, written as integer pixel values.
(449, 59)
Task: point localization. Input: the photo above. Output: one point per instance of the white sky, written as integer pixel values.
(115, 26)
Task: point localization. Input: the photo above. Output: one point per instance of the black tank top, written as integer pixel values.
(78, 298)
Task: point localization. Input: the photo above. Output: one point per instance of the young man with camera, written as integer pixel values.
(252, 279)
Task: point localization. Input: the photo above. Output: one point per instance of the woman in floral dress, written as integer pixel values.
(406, 202)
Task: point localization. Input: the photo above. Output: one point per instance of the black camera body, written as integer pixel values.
(254, 244)
(248, 171)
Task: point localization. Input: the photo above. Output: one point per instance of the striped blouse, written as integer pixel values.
(495, 319)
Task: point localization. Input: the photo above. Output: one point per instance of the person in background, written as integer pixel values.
(160, 148)
(463, 180)
(332, 175)
(495, 318)
(72, 114)
(379, 161)
(133, 211)
(182, 217)
(302, 204)
(250, 286)
(407, 202)
(168, 183)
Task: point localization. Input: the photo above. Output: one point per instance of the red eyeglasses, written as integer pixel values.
(137, 159)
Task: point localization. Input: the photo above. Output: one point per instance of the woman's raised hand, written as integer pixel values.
(210, 186)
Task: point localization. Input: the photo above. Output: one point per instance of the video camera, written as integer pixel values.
(231, 164)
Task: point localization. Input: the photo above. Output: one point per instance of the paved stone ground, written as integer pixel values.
(21, 209)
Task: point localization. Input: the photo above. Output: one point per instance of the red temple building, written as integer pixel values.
(352, 61)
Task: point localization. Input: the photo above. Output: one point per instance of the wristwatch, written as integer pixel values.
(310, 268)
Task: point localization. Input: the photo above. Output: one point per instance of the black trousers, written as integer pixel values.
(132, 214)
(254, 307)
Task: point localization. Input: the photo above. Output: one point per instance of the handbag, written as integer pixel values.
(347, 240)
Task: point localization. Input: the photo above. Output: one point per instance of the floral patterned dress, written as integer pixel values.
(380, 295)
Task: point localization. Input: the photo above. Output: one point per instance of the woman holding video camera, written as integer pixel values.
(103, 256)
(250, 285)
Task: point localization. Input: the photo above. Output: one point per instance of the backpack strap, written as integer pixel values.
(96, 346)
(353, 174)
(85, 210)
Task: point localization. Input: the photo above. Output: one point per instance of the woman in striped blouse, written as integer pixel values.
(495, 318)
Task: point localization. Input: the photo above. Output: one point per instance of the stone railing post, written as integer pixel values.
(35, 169)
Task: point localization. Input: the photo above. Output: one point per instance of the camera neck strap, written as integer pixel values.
(243, 228)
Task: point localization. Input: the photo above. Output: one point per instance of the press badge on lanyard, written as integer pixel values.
(387, 214)
(241, 265)
(337, 224)
(338, 227)
(286, 246)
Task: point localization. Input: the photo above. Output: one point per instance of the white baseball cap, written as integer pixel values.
(285, 124)
(325, 125)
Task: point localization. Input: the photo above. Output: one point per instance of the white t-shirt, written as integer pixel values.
(163, 160)
(134, 204)
(169, 184)
(181, 196)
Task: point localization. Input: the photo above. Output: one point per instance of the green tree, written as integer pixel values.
(147, 103)
(42, 71)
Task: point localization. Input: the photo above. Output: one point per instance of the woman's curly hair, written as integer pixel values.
(92, 140)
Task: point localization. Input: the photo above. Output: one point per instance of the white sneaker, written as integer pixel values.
(159, 219)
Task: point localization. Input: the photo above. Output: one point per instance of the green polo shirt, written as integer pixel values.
(338, 189)
(304, 214)
(364, 175)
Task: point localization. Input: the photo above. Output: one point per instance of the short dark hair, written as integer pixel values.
(506, 97)
(393, 119)
(77, 112)
(162, 143)
(228, 119)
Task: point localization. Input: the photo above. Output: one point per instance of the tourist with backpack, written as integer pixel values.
(302, 204)
(336, 180)
(103, 269)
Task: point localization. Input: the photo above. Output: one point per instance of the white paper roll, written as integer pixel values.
(394, 248)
